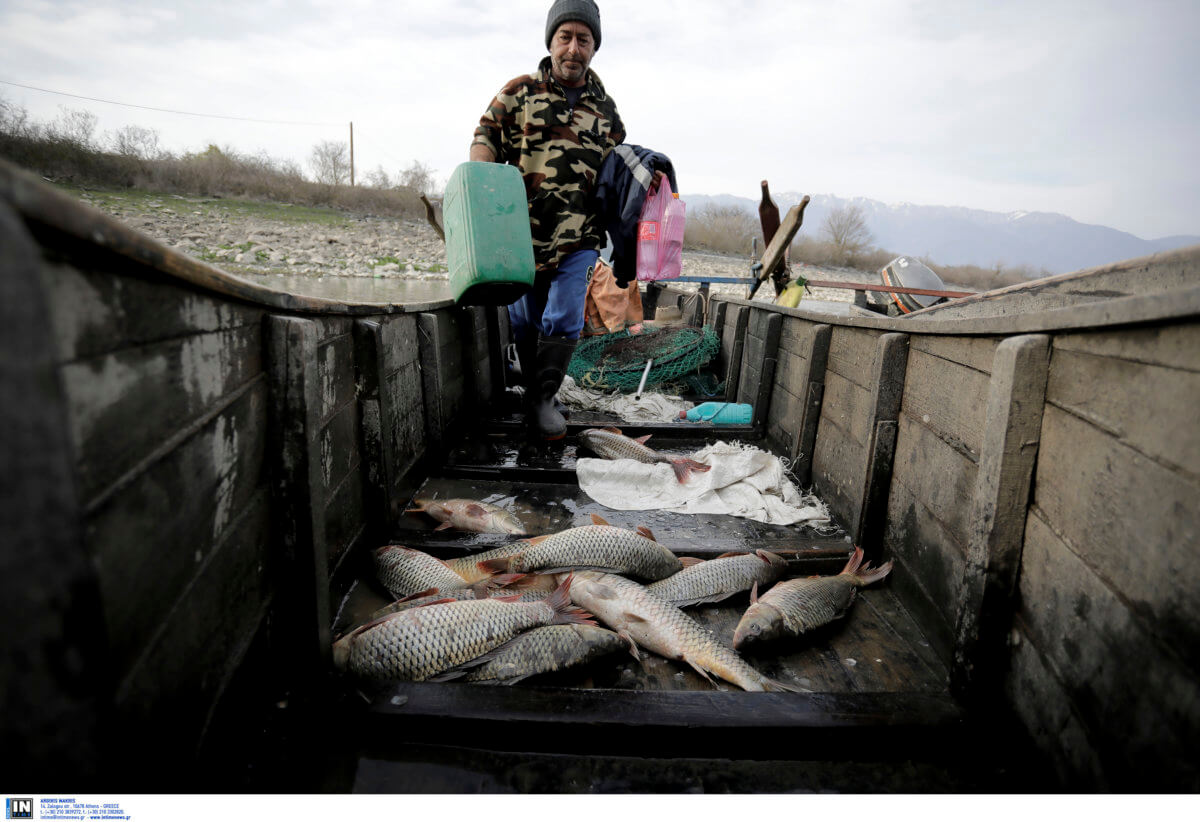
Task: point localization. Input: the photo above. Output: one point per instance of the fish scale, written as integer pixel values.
(611, 444)
(653, 623)
(798, 605)
(602, 547)
(404, 571)
(545, 649)
(810, 603)
(719, 578)
(420, 643)
(468, 567)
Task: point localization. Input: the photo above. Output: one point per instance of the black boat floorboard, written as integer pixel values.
(872, 668)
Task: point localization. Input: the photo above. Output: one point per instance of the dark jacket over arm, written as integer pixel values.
(621, 188)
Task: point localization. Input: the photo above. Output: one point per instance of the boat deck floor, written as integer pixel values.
(877, 648)
(874, 712)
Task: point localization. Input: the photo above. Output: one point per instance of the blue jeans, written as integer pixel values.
(554, 306)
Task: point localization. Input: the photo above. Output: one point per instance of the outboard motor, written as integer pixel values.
(908, 272)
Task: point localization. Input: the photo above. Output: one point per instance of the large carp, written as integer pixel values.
(651, 622)
(599, 547)
(719, 578)
(798, 605)
(611, 444)
(545, 649)
(405, 571)
(439, 640)
(470, 515)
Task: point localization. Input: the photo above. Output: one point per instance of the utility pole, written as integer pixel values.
(351, 153)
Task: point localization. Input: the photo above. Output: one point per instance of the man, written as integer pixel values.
(557, 126)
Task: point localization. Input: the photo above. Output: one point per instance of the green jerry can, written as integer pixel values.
(489, 250)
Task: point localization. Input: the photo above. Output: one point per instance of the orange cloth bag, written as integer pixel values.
(608, 307)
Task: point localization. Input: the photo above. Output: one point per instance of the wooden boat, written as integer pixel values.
(197, 466)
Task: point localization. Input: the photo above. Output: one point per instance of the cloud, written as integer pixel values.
(1083, 108)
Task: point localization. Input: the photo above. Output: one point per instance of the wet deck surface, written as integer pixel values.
(877, 648)
(876, 714)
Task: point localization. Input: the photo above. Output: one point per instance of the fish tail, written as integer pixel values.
(564, 611)
(683, 468)
(866, 575)
(856, 559)
(496, 566)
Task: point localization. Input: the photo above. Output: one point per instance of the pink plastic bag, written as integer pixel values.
(660, 235)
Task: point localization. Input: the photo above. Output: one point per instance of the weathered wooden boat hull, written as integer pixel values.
(196, 465)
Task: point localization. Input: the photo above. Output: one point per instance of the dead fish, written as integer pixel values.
(443, 639)
(468, 567)
(600, 547)
(798, 605)
(404, 571)
(545, 649)
(518, 591)
(470, 515)
(646, 620)
(719, 578)
(611, 444)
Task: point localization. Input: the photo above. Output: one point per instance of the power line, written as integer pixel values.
(171, 110)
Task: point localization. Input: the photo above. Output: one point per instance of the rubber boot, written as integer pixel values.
(553, 357)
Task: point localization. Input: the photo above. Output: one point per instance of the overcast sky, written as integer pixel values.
(1090, 109)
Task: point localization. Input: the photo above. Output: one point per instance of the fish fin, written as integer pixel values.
(866, 575)
(536, 540)
(599, 520)
(503, 580)
(465, 668)
(443, 526)
(700, 671)
(688, 562)
(776, 685)
(642, 530)
(496, 566)
(428, 592)
(856, 559)
(612, 429)
(511, 598)
(680, 603)
(754, 593)
(635, 618)
(476, 510)
(731, 554)
(765, 556)
(642, 440)
(421, 509)
(564, 611)
(633, 646)
(602, 591)
(683, 468)
(564, 569)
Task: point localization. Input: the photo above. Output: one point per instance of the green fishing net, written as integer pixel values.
(616, 362)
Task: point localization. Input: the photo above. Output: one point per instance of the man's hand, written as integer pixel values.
(481, 154)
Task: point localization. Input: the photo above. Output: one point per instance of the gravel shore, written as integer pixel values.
(271, 239)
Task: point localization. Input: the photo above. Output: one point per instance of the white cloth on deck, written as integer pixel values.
(744, 481)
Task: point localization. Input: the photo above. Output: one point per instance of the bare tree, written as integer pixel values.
(378, 179)
(14, 120)
(846, 228)
(418, 177)
(330, 163)
(75, 126)
(135, 141)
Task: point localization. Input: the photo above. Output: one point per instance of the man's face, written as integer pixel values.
(571, 50)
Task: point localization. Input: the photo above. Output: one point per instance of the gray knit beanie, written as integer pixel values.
(564, 11)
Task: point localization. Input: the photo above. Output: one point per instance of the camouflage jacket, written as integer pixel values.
(559, 150)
